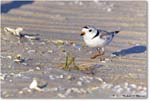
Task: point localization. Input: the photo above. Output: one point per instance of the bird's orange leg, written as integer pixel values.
(98, 54)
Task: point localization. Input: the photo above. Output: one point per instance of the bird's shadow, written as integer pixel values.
(5, 8)
(131, 50)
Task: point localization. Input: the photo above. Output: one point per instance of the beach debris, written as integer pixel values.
(17, 32)
(132, 86)
(20, 92)
(31, 51)
(79, 83)
(19, 59)
(51, 77)
(35, 85)
(50, 51)
(2, 76)
(58, 42)
(61, 95)
(9, 57)
(61, 76)
(70, 77)
(109, 9)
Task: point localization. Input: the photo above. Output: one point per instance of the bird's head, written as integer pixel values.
(88, 31)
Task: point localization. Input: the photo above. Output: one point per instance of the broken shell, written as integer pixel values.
(61, 76)
(76, 90)
(58, 42)
(51, 77)
(100, 79)
(20, 92)
(61, 95)
(94, 88)
(119, 90)
(31, 51)
(83, 91)
(68, 91)
(34, 85)
(10, 57)
(38, 68)
(2, 77)
(103, 61)
(79, 83)
(70, 77)
(133, 86)
(50, 51)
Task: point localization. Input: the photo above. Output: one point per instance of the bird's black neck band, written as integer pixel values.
(97, 34)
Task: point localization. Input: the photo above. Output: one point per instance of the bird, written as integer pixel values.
(97, 38)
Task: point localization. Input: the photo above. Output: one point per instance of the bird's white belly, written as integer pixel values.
(95, 42)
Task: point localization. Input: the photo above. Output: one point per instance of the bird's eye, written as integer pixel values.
(90, 30)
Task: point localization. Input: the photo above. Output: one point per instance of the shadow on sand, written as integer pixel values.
(5, 8)
(132, 50)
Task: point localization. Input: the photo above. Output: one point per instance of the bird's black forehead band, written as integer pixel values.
(85, 27)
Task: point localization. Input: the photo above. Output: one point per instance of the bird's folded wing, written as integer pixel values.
(104, 35)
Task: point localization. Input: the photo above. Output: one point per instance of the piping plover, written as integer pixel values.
(97, 38)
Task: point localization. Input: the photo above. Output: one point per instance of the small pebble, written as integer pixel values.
(61, 95)
(79, 83)
(94, 88)
(70, 77)
(21, 92)
(51, 77)
(50, 51)
(76, 90)
(133, 86)
(117, 86)
(10, 80)
(100, 79)
(10, 57)
(31, 51)
(83, 91)
(61, 76)
(109, 9)
(103, 61)
(68, 91)
(119, 90)
(38, 68)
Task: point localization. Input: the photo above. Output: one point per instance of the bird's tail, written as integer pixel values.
(114, 33)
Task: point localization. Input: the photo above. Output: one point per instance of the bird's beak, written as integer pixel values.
(83, 33)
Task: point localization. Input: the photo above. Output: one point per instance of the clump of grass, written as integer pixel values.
(70, 63)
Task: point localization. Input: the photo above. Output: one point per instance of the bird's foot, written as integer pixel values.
(95, 56)
(102, 58)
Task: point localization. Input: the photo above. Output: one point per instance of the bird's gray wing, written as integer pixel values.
(105, 35)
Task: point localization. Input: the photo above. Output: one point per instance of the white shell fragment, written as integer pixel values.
(79, 83)
(13, 31)
(34, 85)
(61, 95)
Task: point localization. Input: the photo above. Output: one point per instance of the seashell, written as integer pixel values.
(61, 95)
(133, 86)
(68, 91)
(79, 83)
(34, 85)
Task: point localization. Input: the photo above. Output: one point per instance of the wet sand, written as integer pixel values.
(63, 21)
